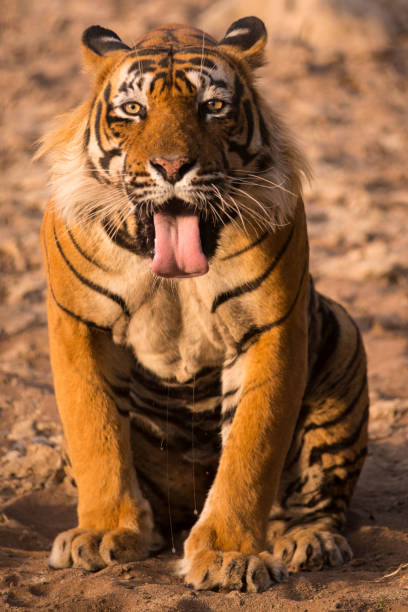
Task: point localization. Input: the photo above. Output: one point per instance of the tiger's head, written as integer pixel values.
(177, 140)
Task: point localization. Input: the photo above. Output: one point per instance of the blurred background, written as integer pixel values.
(337, 71)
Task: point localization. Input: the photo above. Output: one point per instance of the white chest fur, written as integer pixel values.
(174, 334)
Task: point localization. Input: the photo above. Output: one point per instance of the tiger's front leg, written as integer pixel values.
(114, 520)
(226, 547)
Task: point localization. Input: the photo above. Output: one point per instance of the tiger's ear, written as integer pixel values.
(247, 39)
(98, 42)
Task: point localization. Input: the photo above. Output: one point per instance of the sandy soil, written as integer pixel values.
(338, 70)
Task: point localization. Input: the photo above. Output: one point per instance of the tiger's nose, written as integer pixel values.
(172, 168)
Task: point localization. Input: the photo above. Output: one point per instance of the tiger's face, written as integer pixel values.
(176, 128)
(171, 122)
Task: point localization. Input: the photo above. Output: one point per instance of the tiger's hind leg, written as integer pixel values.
(327, 452)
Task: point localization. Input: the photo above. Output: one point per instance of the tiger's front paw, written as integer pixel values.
(92, 550)
(218, 557)
(213, 569)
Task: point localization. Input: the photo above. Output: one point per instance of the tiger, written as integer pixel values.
(203, 383)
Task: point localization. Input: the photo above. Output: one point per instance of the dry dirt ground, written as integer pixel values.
(338, 70)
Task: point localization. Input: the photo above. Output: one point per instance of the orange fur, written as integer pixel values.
(126, 344)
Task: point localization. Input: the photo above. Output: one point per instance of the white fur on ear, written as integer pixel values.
(237, 32)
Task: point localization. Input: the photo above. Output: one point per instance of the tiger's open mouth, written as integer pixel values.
(178, 252)
(179, 238)
(183, 239)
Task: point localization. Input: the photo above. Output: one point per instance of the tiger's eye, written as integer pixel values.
(214, 106)
(132, 108)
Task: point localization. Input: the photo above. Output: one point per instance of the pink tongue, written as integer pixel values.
(177, 247)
